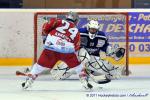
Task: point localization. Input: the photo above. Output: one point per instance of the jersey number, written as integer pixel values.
(65, 27)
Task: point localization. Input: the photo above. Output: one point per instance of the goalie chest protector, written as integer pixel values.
(93, 46)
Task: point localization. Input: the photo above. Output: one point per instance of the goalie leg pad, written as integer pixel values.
(83, 55)
(60, 71)
(102, 67)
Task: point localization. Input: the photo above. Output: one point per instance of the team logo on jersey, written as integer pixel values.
(48, 43)
(91, 44)
(100, 43)
(60, 42)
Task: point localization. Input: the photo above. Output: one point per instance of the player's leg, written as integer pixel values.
(46, 61)
(72, 61)
(33, 74)
(84, 79)
(83, 57)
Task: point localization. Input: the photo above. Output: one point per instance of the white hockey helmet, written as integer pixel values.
(72, 16)
(93, 27)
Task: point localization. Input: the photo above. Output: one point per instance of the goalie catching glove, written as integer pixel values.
(116, 54)
(119, 53)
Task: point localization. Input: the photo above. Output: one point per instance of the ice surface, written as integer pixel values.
(134, 87)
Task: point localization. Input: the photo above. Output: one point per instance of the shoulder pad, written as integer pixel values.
(101, 33)
(83, 30)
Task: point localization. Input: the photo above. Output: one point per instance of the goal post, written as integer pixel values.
(114, 25)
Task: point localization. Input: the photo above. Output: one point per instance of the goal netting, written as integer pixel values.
(115, 26)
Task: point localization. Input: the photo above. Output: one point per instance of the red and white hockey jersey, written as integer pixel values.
(62, 36)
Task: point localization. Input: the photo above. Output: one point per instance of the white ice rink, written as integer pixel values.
(134, 87)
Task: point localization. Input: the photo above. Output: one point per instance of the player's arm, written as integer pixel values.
(77, 42)
(117, 54)
(106, 47)
(48, 26)
(105, 39)
(83, 36)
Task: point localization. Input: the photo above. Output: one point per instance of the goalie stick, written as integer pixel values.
(101, 79)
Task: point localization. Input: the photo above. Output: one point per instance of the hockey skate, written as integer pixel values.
(29, 81)
(85, 83)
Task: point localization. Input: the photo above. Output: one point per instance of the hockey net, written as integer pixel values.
(115, 26)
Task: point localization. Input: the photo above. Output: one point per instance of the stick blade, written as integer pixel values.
(18, 73)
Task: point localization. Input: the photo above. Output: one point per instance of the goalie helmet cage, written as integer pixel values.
(122, 38)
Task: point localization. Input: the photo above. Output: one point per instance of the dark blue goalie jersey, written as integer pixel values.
(93, 46)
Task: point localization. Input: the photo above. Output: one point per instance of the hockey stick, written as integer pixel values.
(19, 73)
(100, 79)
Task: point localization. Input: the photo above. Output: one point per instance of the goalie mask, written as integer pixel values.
(93, 28)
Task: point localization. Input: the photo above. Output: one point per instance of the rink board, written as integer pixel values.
(142, 46)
